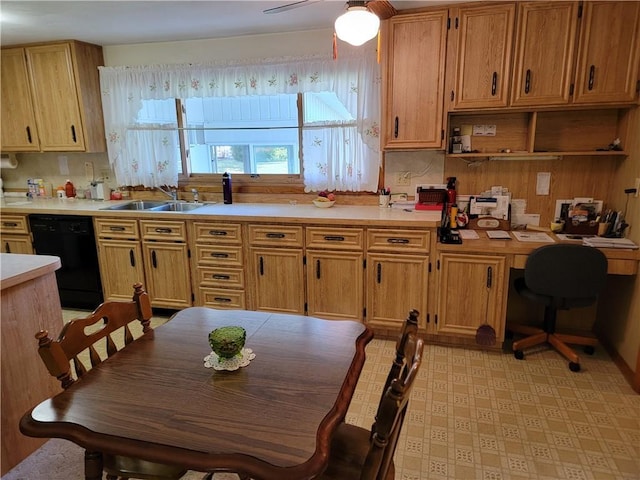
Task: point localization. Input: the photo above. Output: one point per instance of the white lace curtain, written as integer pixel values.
(344, 159)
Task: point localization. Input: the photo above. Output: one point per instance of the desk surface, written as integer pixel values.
(272, 419)
(621, 261)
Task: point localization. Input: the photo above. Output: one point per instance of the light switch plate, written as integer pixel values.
(88, 171)
(543, 183)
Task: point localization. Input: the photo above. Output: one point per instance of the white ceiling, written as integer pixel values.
(128, 22)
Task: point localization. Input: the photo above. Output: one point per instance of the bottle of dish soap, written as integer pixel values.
(226, 188)
(69, 189)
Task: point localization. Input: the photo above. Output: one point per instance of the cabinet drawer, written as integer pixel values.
(224, 255)
(221, 298)
(222, 277)
(398, 241)
(117, 228)
(163, 230)
(227, 233)
(14, 224)
(335, 238)
(276, 236)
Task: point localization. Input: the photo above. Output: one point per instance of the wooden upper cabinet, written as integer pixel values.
(482, 39)
(63, 92)
(544, 53)
(608, 53)
(414, 85)
(19, 133)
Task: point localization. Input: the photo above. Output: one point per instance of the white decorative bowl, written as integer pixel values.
(320, 204)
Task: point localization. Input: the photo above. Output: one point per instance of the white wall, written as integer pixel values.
(233, 48)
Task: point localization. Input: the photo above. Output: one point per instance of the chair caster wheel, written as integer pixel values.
(519, 354)
(574, 367)
(589, 349)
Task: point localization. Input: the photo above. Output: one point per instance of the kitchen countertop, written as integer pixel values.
(353, 215)
(17, 268)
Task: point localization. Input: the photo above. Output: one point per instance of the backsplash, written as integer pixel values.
(56, 168)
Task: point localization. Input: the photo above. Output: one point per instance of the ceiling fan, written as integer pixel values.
(381, 8)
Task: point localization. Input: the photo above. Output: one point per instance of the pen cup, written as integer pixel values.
(383, 200)
(603, 228)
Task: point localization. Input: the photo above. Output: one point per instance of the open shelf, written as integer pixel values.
(540, 134)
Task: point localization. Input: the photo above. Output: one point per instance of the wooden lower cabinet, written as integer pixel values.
(167, 274)
(471, 292)
(396, 284)
(277, 267)
(335, 272)
(278, 276)
(17, 244)
(335, 288)
(120, 267)
(15, 234)
(120, 257)
(218, 265)
(166, 263)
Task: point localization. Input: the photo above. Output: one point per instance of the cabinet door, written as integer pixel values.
(17, 244)
(278, 280)
(544, 54)
(483, 62)
(19, 132)
(395, 285)
(120, 268)
(471, 292)
(335, 285)
(167, 272)
(415, 80)
(608, 52)
(57, 109)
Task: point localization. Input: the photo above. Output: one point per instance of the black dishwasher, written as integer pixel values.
(72, 239)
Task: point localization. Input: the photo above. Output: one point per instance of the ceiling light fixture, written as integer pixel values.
(357, 25)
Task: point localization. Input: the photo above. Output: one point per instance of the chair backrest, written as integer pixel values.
(410, 327)
(391, 412)
(566, 271)
(58, 354)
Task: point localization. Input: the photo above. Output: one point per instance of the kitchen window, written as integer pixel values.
(257, 135)
(312, 122)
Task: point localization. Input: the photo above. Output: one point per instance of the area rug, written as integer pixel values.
(63, 460)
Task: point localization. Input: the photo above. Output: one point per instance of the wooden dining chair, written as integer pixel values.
(361, 454)
(58, 355)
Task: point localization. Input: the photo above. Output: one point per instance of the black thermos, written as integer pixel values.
(226, 187)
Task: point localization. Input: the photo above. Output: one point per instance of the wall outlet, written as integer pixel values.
(403, 179)
(105, 175)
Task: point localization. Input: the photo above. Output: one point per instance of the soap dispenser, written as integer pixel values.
(226, 188)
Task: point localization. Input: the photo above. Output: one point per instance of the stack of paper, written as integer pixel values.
(533, 237)
(602, 242)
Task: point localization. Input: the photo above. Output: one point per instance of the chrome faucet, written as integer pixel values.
(173, 193)
(196, 196)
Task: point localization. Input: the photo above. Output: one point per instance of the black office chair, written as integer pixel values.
(560, 277)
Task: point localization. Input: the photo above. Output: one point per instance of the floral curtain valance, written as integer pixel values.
(354, 78)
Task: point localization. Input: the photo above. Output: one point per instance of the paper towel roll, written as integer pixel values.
(8, 161)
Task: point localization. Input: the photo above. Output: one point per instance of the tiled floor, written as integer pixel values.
(480, 415)
(488, 416)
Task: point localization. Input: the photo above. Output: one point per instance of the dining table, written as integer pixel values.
(156, 400)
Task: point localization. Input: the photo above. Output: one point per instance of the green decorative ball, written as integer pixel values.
(227, 342)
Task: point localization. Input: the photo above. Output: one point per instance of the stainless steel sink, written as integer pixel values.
(137, 205)
(177, 207)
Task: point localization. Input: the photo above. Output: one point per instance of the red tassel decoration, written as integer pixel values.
(335, 46)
